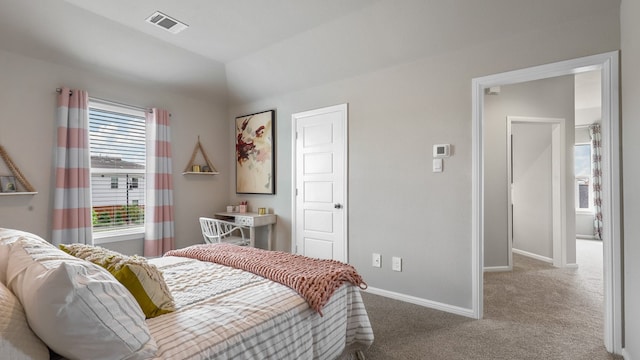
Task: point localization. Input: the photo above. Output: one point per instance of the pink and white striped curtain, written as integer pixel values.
(158, 215)
(72, 192)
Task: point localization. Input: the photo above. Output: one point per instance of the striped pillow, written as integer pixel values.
(77, 308)
(143, 280)
(7, 238)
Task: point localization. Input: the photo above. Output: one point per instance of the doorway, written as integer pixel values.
(611, 200)
(536, 170)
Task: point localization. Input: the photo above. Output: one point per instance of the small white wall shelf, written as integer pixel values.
(29, 189)
(191, 165)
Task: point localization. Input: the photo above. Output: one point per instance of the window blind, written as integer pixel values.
(117, 140)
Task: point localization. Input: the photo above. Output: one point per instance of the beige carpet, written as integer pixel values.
(534, 312)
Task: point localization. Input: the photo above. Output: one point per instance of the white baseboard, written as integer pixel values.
(497, 268)
(626, 355)
(586, 237)
(532, 255)
(422, 302)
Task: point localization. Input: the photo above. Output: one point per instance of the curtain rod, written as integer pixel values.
(109, 102)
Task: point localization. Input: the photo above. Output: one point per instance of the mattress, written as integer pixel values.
(226, 313)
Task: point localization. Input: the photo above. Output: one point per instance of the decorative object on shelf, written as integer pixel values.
(9, 185)
(262, 211)
(255, 171)
(243, 207)
(192, 168)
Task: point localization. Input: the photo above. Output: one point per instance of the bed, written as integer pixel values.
(219, 312)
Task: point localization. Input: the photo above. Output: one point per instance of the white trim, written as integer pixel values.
(533, 256)
(585, 211)
(586, 237)
(294, 189)
(105, 237)
(422, 302)
(608, 63)
(498, 268)
(612, 247)
(583, 127)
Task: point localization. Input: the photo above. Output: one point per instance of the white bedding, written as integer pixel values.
(226, 313)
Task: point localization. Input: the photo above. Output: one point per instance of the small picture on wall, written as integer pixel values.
(254, 153)
(8, 184)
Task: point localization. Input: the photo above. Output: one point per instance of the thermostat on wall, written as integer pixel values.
(441, 150)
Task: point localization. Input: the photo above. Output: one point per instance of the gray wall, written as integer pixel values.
(28, 102)
(631, 172)
(398, 207)
(532, 196)
(551, 98)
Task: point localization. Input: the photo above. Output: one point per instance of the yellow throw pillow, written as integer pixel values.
(143, 280)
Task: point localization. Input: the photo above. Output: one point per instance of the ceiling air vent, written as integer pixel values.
(166, 22)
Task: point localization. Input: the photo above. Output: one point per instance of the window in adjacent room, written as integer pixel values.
(582, 164)
(118, 156)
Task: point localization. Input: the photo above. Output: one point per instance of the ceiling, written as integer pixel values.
(243, 50)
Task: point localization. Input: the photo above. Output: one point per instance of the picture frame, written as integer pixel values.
(8, 184)
(255, 160)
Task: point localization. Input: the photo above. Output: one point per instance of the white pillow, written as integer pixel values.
(77, 308)
(17, 341)
(7, 238)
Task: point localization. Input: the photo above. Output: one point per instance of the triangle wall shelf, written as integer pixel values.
(17, 174)
(207, 169)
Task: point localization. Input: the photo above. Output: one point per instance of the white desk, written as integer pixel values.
(251, 220)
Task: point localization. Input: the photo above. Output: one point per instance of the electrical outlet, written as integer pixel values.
(396, 263)
(376, 260)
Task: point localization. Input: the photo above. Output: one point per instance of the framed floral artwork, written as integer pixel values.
(255, 170)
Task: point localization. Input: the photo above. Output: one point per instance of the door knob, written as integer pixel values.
(337, 206)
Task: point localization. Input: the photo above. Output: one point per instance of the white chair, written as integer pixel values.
(215, 231)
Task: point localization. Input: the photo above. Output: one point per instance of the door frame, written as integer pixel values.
(558, 186)
(294, 191)
(608, 63)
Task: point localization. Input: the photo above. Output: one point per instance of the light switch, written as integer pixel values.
(396, 263)
(437, 165)
(376, 260)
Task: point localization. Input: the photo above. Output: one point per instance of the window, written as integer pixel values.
(582, 170)
(117, 141)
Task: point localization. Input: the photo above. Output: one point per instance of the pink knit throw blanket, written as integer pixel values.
(314, 279)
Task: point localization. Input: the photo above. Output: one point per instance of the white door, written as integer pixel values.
(537, 216)
(320, 191)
